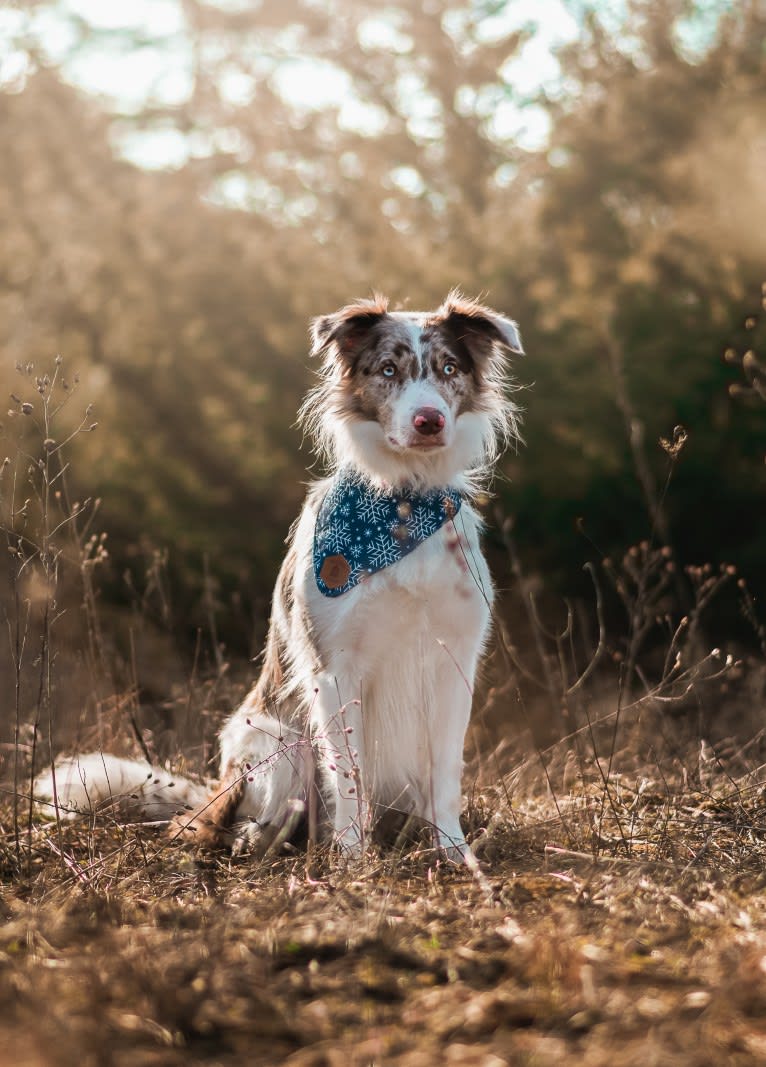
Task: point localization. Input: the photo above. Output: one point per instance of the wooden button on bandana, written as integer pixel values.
(360, 531)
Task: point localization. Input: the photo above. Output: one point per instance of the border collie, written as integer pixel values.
(382, 606)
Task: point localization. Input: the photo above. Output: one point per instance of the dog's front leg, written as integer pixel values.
(449, 722)
(336, 721)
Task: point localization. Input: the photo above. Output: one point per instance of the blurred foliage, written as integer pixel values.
(629, 248)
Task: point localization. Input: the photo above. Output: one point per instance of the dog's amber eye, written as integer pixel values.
(388, 370)
(449, 368)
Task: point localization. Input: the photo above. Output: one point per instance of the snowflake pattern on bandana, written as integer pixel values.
(360, 531)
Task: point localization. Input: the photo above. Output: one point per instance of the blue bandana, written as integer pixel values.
(360, 531)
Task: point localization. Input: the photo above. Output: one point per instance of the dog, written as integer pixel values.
(382, 606)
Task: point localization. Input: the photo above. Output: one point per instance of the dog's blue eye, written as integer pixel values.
(388, 370)
(449, 368)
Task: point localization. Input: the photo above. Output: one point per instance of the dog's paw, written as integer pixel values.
(251, 839)
(459, 854)
(453, 847)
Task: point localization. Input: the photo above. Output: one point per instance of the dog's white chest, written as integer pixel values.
(439, 593)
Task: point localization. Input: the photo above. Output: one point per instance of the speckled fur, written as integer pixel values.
(379, 681)
(363, 700)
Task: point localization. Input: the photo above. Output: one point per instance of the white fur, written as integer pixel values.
(99, 780)
(277, 764)
(364, 445)
(374, 686)
(401, 651)
(385, 676)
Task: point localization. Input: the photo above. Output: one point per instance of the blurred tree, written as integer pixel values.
(187, 313)
(638, 279)
(625, 248)
(163, 304)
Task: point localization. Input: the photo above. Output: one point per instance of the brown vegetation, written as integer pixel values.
(615, 785)
(619, 936)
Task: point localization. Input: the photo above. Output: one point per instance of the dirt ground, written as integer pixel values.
(645, 946)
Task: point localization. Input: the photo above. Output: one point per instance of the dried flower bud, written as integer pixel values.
(673, 448)
(27, 408)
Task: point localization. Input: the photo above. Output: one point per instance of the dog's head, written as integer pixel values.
(413, 397)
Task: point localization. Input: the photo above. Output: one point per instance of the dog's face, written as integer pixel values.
(412, 395)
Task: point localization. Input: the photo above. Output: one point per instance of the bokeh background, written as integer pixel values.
(184, 183)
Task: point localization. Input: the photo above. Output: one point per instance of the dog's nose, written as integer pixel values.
(428, 421)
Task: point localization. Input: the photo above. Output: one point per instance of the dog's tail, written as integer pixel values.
(265, 795)
(98, 781)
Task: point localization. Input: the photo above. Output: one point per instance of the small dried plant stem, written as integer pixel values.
(511, 660)
(527, 597)
(90, 553)
(18, 635)
(634, 430)
(606, 777)
(49, 562)
(567, 692)
(541, 758)
(312, 813)
(352, 755)
(601, 646)
(36, 554)
(133, 703)
(209, 602)
(16, 646)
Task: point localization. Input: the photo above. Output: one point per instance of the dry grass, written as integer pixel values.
(618, 918)
(621, 929)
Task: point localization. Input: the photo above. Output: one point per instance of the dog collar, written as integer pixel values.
(360, 531)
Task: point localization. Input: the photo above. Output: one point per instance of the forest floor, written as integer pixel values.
(619, 926)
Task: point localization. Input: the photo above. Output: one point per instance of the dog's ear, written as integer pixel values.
(347, 330)
(480, 329)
